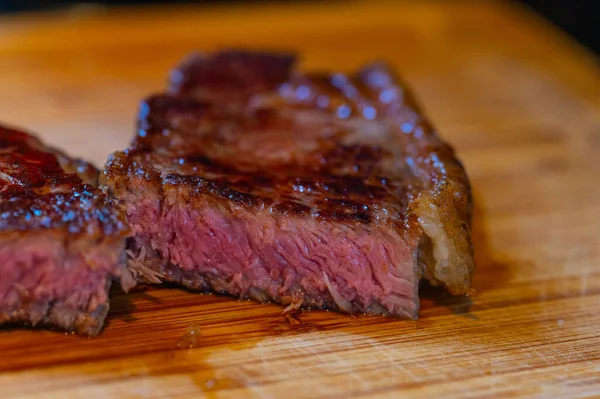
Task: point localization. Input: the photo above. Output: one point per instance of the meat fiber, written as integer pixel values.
(310, 190)
(61, 241)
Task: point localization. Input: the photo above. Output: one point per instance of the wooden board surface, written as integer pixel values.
(520, 102)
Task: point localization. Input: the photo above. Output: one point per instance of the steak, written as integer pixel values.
(311, 190)
(61, 240)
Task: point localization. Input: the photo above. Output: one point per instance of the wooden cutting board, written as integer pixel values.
(520, 102)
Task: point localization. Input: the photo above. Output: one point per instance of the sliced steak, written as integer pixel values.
(61, 241)
(322, 191)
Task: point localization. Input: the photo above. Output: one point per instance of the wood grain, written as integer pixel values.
(520, 102)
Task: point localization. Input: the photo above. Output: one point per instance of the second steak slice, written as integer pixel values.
(62, 241)
(321, 191)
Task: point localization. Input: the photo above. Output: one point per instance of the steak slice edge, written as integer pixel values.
(316, 190)
(61, 241)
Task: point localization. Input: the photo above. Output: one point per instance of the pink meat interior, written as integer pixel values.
(284, 258)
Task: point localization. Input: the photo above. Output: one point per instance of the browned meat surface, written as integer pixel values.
(86, 171)
(325, 191)
(61, 241)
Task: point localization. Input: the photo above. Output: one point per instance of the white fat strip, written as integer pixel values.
(343, 304)
(434, 228)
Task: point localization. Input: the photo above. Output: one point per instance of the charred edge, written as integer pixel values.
(198, 186)
(330, 209)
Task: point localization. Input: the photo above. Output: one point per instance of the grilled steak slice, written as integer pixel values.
(323, 191)
(61, 241)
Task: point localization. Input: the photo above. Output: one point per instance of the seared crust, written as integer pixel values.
(36, 193)
(350, 148)
(85, 170)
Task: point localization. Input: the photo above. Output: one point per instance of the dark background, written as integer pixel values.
(576, 17)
